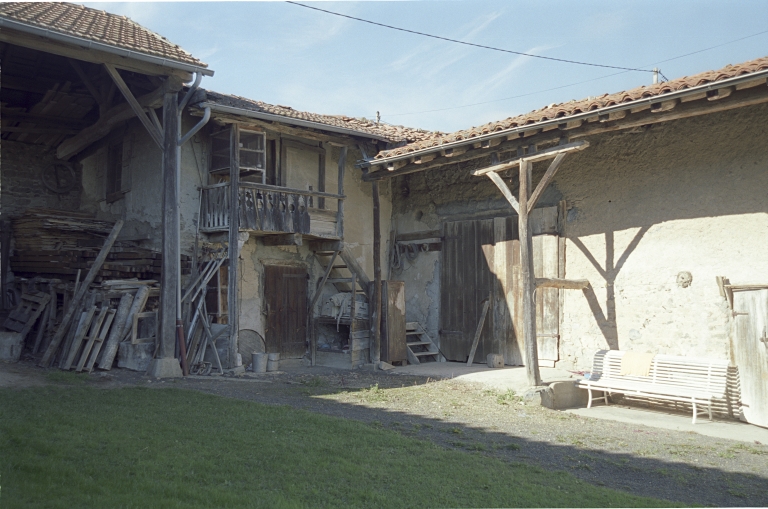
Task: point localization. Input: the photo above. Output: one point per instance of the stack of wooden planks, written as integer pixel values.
(59, 244)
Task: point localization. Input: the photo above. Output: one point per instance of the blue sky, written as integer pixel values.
(284, 54)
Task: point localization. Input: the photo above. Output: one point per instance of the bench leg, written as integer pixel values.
(693, 401)
(709, 408)
(589, 403)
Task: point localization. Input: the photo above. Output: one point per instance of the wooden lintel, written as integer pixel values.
(326, 245)
(407, 237)
(532, 158)
(566, 284)
(496, 179)
(288, 239)
(137, 108)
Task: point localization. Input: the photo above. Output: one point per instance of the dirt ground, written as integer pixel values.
(680, 466)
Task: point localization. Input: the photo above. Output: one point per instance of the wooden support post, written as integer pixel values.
(340, 192)
(376, 297)
(165, 364)
(527, 278)
(233, 306)
(137, 108)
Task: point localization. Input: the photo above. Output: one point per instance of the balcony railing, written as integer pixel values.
(265, 208)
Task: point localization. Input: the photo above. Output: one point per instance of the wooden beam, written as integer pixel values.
(375, 299)
(355, 268)
(531, 355)
(566, 284)
(88, 55)
(110, 120)
(170, 274)
(233, 281)
(287, 239)
(428, 234)
(496, 179)
(541, 155)
(545, 180)
(43, 120)
(39, 130)
(311, 311)
(137, 108)
(99, 98)
(340, 191)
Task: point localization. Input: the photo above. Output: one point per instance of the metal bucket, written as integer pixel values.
(273, 360)
(259, 362)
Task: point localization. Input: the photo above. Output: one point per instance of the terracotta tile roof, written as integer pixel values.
(98, 26)
(564, 110)
(390, 133)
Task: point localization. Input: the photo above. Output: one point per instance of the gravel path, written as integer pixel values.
(679, 466)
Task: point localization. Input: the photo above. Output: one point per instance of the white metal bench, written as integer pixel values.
(697, 381)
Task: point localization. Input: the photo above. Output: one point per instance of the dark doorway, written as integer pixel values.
(285, 291)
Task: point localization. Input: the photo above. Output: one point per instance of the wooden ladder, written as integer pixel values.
(420, 346)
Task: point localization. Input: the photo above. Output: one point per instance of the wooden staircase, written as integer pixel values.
(340, 268)
(420, 346)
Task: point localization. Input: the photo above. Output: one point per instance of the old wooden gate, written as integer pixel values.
(285, 292)
(750, 352)
(482, 258)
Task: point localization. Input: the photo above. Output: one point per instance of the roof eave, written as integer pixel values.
(220, 108)
(370, 163)
(101, 46)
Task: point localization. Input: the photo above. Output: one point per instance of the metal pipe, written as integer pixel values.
(177, 215)
(100, 46)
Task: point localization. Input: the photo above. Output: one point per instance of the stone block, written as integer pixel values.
(164, 368)
(11, 344)
(135, 357)
(561, 395)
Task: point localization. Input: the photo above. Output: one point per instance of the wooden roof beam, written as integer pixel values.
(137, 108)
(534, 157)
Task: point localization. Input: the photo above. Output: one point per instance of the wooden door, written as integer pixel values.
(750, 353)
(545, 264)
(474, 267)
(285, 292)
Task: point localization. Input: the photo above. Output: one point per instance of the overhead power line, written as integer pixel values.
(577, 83)
(482, 46)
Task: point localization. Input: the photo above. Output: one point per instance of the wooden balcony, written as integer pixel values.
(266, 209)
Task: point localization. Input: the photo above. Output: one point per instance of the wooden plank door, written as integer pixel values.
(285, 291)
(750, 353)
(545, 264)
(465, 281)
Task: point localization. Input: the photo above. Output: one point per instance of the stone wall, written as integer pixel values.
(21, 180)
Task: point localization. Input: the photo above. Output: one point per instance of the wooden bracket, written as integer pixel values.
(154, 132)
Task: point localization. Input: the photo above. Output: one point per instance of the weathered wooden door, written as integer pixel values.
(482, 258)
(477, 257)
(285, 292)
(545, 264)
(750, 353)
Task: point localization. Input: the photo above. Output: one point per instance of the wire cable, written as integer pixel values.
(482, 46)
(577, 83)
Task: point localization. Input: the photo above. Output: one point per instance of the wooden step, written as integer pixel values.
(422, 354)
(413, 333)
(410, 326)
(333, 280)
(418, 343)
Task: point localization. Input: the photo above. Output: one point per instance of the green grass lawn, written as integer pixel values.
(76, 446)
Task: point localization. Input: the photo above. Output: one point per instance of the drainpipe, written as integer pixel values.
(177, 214)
